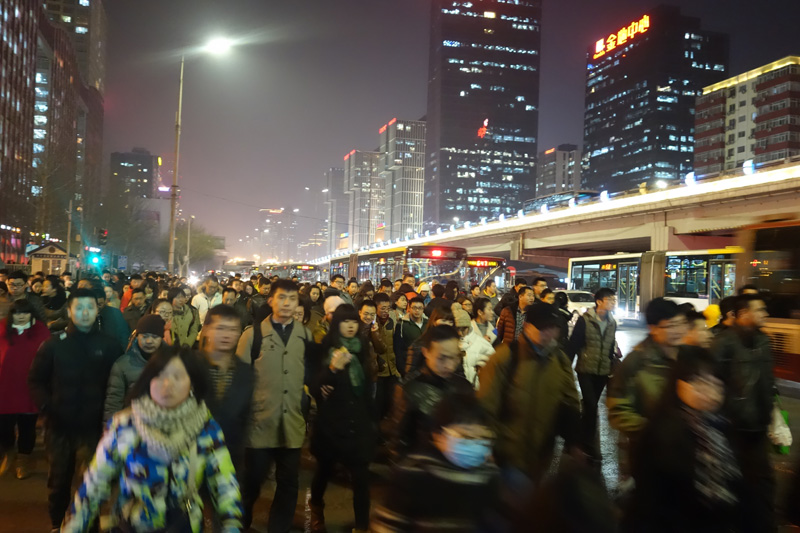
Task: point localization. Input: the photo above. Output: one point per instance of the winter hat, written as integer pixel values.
(462, 319)
(424, 287)
(542, 316)
(332, 303)
(151, 324)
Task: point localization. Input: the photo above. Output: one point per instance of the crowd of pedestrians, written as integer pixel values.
(175, 405)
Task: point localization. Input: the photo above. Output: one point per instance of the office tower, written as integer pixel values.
(402, 170)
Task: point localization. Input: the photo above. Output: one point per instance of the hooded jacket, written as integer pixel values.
(124, 373)
(477, 352)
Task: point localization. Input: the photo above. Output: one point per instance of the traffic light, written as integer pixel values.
(102, 237)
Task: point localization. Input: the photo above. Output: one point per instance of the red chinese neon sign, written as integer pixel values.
(622, 36)
(483, 129)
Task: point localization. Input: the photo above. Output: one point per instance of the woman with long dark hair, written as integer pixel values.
(451, 290)
(366, 292)
(344, 430)
(162, 451)
(20, 338)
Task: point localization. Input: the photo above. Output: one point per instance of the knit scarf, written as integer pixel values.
(168, 432)
(715, 465)
(354, 369)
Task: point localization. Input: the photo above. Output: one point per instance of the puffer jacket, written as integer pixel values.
(593, 348)
(124, 373)
(68, 379)
(477, 352)
(745, 367)
(507, 325)
(145, 481)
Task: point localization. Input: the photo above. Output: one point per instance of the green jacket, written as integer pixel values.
(541, 401)
(186, 326)
(637, 386)
(386, 333)
(593, 347)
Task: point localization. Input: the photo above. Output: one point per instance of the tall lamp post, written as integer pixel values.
(218, 46)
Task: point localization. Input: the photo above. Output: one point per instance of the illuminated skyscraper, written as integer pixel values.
(402, 169)
(364, 187)
(86, 23)
(134, 174)
(483, 108)
(559, 170)
(336, 200)
(641, 83)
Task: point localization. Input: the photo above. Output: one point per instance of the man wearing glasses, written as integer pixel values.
(636, 387)
(17, 281)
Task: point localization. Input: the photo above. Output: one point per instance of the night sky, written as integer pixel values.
(314, 79)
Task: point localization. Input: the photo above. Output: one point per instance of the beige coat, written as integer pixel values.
(276, 418)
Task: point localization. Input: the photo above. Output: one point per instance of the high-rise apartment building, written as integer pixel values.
(87, 26)
(754, 116)
(365, 191)
(134, 174)
(559, 170)
(483, 108)
(402, 170)
(17, 78)
(338, 209)
(642, 80)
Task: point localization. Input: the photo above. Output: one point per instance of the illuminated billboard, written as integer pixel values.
(621, 36)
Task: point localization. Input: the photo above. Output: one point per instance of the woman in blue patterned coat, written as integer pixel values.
(161, 452)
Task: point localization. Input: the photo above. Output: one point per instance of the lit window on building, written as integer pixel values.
(81, 29)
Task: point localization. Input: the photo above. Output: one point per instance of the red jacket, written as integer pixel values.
(126, 299)
(15, 362)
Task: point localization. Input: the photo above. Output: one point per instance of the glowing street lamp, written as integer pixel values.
(217, 46)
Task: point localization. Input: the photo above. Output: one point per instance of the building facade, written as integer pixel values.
(642, 81)
(365, 191)
(558, 171)
(483, 108)
(754, 116)
(86, 24)
(135, 174)
(402, 170)
(338, 207)
(17, 79)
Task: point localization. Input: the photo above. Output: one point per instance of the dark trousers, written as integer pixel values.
(757, 501)
(19, 429)
(287, 472)
(66, 454)
(384, 396)
(359, 477)
(592, 386)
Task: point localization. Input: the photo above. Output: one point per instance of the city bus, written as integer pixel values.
(480, 269)
(698, 277)
(427, 263)
(771, 262)
(306, 273)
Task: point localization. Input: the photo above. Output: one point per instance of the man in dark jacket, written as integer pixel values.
(408, 330)
(727, 315)
(745, 366)
(438, 300)
(136, 309)
(17, 283)
(231, 379)
(422, 390)
(511, 297)
(509, 326)
(67, 381)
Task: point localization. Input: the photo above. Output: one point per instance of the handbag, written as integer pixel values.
(778, 430)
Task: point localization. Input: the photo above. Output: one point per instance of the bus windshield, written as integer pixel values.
(442, 270)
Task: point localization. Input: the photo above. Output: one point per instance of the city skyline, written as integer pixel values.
(138, 67)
